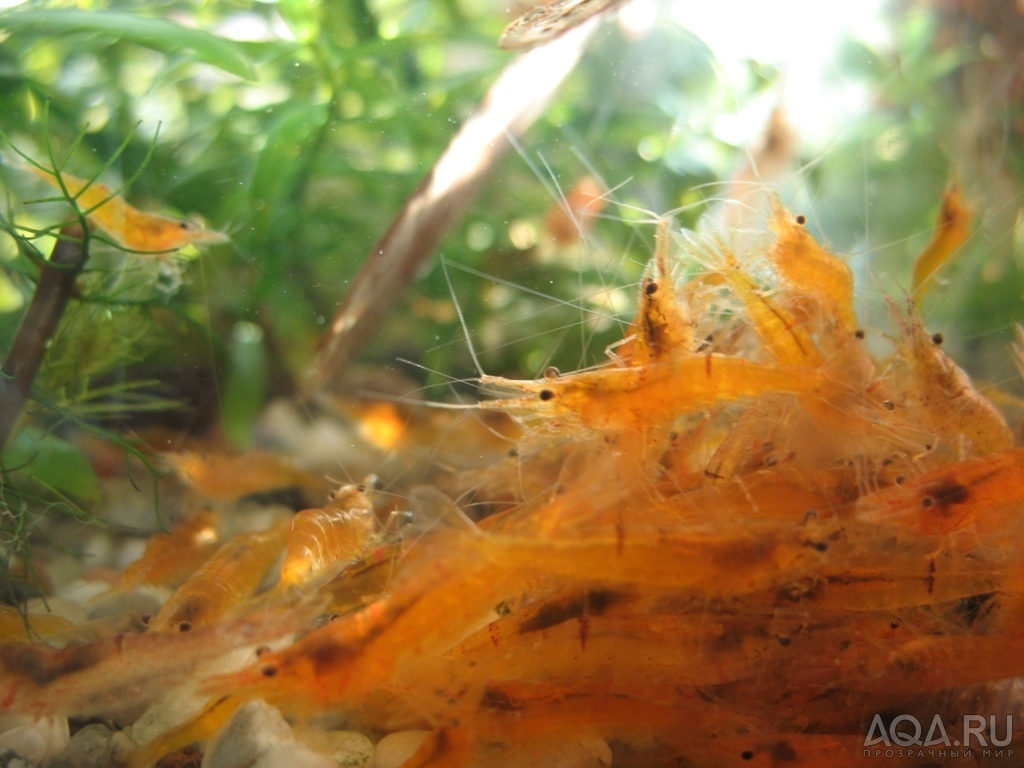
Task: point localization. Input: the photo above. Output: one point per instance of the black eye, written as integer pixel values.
(801, 219)
(269, 671)
(927, 502)
(546, 394)
(185, 626)
(936, 339)
(651, 288)
(183, 225)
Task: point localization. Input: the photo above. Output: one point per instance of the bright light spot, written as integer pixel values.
(799, 37)
(246, 333)
(892, 144)
(523, 234)
(651, 148)
(479, 236)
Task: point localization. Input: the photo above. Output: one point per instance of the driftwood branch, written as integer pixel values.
(510, 107)
(56, 285)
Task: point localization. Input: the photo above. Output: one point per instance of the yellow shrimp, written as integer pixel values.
(330, 537)
(134, 229)
(638, 398)
(952, 228)
(233, 574)
(809, 269)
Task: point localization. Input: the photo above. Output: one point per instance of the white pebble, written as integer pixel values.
(349, 749)
(35, 739)
(252, 730)
(293, 756)
(395, 748)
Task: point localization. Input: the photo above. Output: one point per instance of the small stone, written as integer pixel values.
(94, 746)
(349, 749)
(293, 755)
(252, 730)
(33, 739)
(395, 748)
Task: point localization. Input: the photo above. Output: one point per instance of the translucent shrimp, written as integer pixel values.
(130, 227)
(170, 558)
(117, 674)
(567, 222)
(780, 332)
(978, 493)
(939, 394)
(231, 576)
(639, 397)
(809, 269)
(326, 539)
(952, 228)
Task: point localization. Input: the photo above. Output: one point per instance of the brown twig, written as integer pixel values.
(56, 285)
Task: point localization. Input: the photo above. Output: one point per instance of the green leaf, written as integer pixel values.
(53, 462)
(158, 34)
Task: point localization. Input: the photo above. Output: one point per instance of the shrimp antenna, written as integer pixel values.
(462, 319)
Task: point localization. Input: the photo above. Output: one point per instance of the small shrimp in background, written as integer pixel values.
(952, 229)
(131, 228)
(170, 558)
(569, 221)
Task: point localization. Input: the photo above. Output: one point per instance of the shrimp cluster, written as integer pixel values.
(757, 546)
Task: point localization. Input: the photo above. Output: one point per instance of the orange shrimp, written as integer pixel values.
(809, 269)
(939, 394)
(17, 627)
(979, 493)
(637, 398)
(662, 327)
(330, 537)
(170, 558)
(233, 574)
(128, 226)
(952, 228)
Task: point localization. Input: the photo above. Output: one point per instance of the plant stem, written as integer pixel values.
(56, 284)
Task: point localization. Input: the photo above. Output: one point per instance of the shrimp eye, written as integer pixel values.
(801, 219)
(185, 626)
(263, 650)
(927, 502)
(361, 488)
(888, 405)
(651, 288)
(936, 339)
(269, 671)
(551, 373)
(747, 754)
(546, 394)
(859, 333)
(900, 479)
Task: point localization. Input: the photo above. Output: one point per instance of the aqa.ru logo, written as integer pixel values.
(905, 732)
